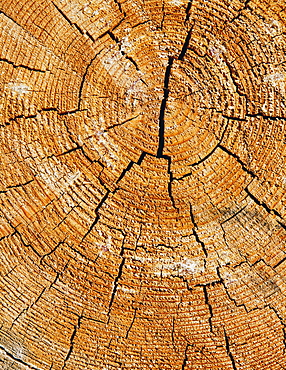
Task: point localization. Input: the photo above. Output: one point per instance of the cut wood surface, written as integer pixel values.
(142, 184)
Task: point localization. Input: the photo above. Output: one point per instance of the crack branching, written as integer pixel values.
(221, 281)
(17, 232)
(108, 192)
(39, 111)
(130, 165)
(13, 119)
(52, 250)
(10, 187)
(271, 118)
(28, 308)
(77, 145)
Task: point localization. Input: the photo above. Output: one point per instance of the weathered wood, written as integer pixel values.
(142, 184)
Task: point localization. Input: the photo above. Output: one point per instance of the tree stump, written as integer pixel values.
(142, 184)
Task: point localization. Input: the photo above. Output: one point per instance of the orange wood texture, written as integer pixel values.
(142, 184)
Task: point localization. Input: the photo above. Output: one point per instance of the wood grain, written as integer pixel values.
(142, 184)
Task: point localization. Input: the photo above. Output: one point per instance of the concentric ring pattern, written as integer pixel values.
(142, 184)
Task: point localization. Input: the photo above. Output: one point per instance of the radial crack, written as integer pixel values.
(18, 360)
(172, 333)
(271, 118)
(243, 165)
(202, 244)
(279, 263)
(163, 108)
(13, 20)
(163, 14)
(66, 113)
(193, 217)
(184, 364)
(120, 7)
(209, 307)
(282, 225)
(228, 351)
(234, 215)
(282, 323)
(194, 229)
(186, 44)
(132, 322)
(108, 192)
(115, 285)
(76, 328)
(72, 23)
(122, 123)
(130, 165)
(170, 181)
(188, 11)
(97, 214)
(234, 77)
(262, 204)
(114, 38)
(21, 66)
